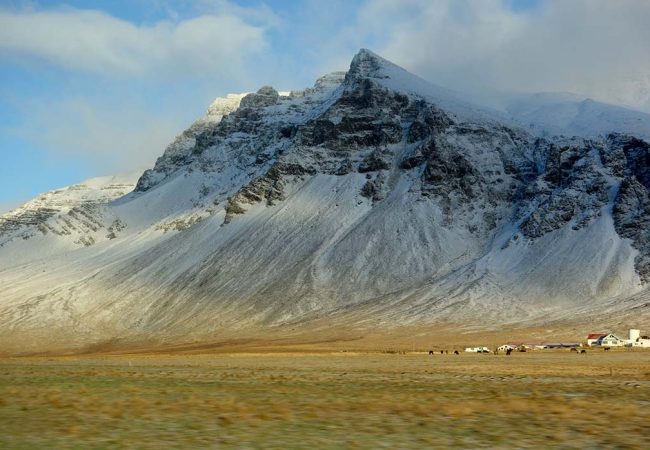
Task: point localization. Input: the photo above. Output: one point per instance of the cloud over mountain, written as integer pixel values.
(596, 48)
(99, 43)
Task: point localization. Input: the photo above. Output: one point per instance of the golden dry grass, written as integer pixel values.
(327, 400)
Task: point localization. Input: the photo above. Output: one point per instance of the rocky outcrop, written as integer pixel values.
(570, 190)
(373, 189)
(630, 160)
(265, 96)
(76, 210)
(267, 189)
(632, 221)
(192, 142)
(375, 161)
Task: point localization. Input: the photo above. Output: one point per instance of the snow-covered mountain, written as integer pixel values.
(74, 212)
(372, 198)
(549, 114)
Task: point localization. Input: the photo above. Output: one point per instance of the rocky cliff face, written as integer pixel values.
(371, 196)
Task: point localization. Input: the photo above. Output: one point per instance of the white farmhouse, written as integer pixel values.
(610, 340)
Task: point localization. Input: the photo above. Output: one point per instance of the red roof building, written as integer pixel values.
(595, 337)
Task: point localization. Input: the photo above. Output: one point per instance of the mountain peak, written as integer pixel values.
(366, 53)
(367, 64)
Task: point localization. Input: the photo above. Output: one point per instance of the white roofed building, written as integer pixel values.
(610, 340)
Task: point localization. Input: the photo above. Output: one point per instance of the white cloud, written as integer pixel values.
(598, 48)
(260, 14)
(126, 90)
(95, 42)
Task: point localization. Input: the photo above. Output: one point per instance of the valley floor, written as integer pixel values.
(327, 399)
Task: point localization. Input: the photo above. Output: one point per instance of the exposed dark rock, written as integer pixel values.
(268, 188)
(288, 132)
(419, 155)
(632, 221)
(373, 189)
(412, 161)
(351, 133)
(447, 170)
(373, 162)
(429, 122)
(417, 132)
(345, 168)
(637, 156)
(265, 96)
(318, 132)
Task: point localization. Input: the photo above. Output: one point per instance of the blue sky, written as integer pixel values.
(90, 88)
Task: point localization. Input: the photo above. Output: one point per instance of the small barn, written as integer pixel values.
(592, 338)
(477, 350)
(562, 345)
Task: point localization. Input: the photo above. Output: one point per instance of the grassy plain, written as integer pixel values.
(320, 399)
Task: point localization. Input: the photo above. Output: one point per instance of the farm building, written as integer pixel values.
(642, 342)
(477, 350)
(562, 345)
(594, 337)
(610, 340)
(636, 340)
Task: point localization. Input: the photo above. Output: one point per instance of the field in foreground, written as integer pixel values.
(327, 400)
